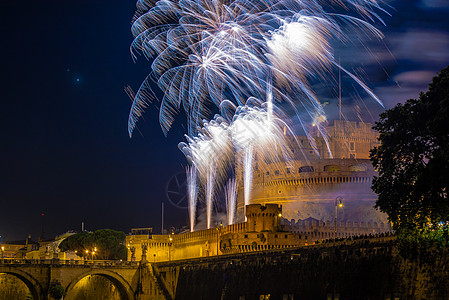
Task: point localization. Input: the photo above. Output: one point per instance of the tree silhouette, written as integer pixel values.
(413, 160)
(108, 244)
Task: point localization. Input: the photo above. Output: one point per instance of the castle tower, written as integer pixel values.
(263, 217)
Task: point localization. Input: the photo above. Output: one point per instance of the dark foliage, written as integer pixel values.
(413, 160)
(108, 244)
(56, 291)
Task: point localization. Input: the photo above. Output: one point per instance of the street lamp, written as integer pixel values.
(94, 252)
(170, 239)
(3, 250)
(338, 203)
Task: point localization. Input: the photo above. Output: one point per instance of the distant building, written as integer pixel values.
(17, 249)
(49, 249)
(44, 249)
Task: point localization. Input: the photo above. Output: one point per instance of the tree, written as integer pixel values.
(108, 244)
(56, 291)
(413, 160)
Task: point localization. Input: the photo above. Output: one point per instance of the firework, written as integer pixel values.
(231, 199)
(228, 54)
(192, 194)
(206, 51)
(221, 148)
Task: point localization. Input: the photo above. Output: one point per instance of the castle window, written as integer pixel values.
(331, 168)
(352, 146)
(246, 236)
(287, 170)
(275, 236)
(268, 172)
(285, 236)
(306, 169)
(357, 168)
(276, 172)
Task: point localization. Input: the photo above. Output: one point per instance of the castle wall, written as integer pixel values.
(362, 269)
(308, 181)
(265, 229)
(312, 194)
(348, 140)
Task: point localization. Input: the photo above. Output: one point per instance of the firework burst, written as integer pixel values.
(205, 51)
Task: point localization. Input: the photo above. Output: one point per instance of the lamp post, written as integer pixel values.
(94, 250)
(3, 250)
(170, 240)
(338, 203)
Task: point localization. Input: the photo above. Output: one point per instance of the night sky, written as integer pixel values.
(65, 149)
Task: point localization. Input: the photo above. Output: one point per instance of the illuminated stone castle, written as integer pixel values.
(309, 184)
(292, 204)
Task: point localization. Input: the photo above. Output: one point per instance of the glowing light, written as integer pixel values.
(206, 51)
(221, 147)
(192, 195)
(231, 199)
(210, 184)
(231, 54)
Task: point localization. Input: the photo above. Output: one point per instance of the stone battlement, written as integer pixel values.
(265, 229)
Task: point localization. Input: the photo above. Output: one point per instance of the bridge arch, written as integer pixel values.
(119, 282)
(32, 284)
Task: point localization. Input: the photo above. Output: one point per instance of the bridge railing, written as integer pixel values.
(72, 262)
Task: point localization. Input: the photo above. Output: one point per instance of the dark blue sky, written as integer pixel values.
(65, 150)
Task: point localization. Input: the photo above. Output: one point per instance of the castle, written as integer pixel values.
(322, 192)
(310, 182)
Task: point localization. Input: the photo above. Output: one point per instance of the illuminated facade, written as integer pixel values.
(293, 203)
(308, 184)
(264, 230)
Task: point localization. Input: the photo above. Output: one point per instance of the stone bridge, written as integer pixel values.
(126, 277)
(362, 269)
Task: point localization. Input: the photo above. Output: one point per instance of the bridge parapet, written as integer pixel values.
(74, 263)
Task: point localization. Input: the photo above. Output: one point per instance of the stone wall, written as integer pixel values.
(362, 269)
(312, 194)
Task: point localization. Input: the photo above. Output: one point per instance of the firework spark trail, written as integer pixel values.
(256, 128)
(206, 51)
(247, 173)
(231, 199)
(192, 194)
(218, 53)
(210, 185)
